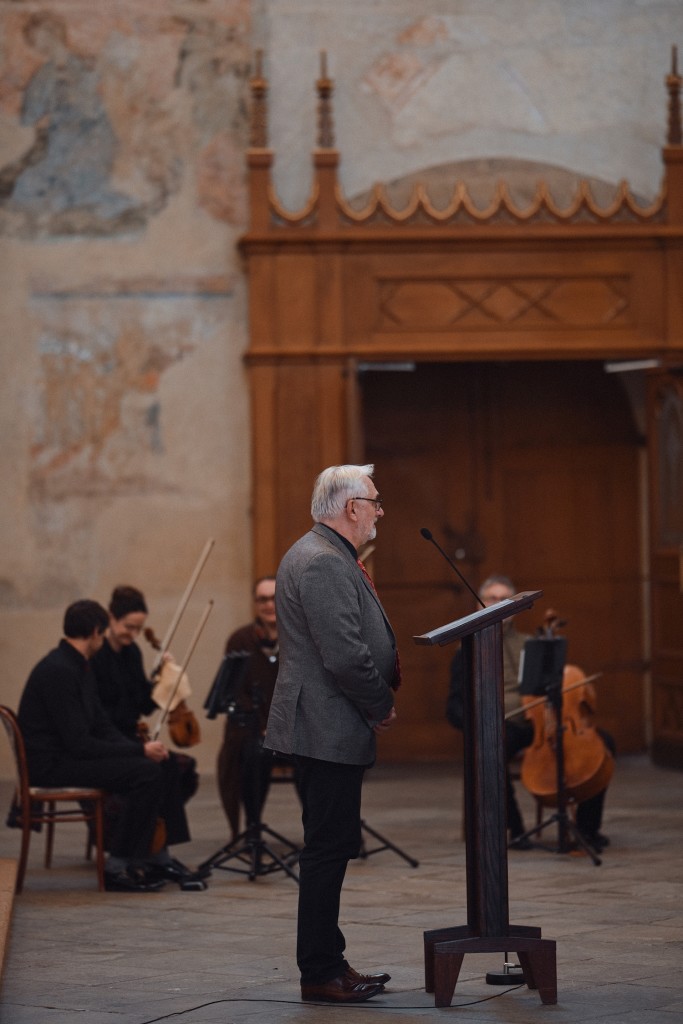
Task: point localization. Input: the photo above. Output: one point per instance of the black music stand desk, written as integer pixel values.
(488, 929)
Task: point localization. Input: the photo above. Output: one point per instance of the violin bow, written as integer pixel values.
(542, 700)
(170, 632)
(186, 660)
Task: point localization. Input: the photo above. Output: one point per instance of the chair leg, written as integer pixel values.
(23, 856)
(50, 834)
(99, 843)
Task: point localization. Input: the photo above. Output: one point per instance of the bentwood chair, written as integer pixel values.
(35, 806)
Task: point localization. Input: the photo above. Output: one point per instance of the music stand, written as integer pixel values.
(249, 847)
(541, 675)
(488, 929)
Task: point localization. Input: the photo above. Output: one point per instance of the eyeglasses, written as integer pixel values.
(264, 598)
(377, 502)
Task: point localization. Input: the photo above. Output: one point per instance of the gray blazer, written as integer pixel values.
(337, 655)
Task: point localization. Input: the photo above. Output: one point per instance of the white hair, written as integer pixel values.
(503, 581)
(333, 488)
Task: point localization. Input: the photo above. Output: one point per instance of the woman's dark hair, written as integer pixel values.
(125, 600)
(83, 618)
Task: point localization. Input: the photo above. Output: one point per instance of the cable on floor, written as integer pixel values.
(309, 1002)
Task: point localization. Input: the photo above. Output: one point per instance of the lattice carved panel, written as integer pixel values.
(482, 303)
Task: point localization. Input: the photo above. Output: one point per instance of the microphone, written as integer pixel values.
(427, 534)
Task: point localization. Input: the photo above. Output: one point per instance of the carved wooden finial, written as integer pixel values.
(258, 132)
(673, 84)
(325, 88)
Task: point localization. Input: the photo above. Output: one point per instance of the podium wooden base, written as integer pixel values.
(444, 949)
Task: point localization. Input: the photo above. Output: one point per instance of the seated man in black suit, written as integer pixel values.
(70, 742)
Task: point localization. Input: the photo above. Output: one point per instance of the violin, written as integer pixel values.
(183, 726)
(588, 764)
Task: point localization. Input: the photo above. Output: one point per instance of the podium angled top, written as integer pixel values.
(479, 620)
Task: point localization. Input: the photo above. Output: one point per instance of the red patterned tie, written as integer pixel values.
(366, 574)
(396, 682)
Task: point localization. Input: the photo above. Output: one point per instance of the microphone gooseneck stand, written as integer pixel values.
(427, 534)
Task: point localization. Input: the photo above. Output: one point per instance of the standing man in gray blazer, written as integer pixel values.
(335, 690)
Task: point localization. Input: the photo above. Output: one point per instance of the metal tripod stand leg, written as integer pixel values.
(251, 848)
(385, 845)
(565, 825)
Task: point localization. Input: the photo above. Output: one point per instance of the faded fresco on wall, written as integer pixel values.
(116, 112)
(98, 421)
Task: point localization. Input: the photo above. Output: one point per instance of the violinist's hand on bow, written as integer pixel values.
(385, 723)
(156, 751)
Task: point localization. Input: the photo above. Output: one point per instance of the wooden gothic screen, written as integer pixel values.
(333, 285)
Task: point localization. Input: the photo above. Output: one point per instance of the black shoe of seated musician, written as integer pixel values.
(131, 880)
(596, 839)
(175, 871)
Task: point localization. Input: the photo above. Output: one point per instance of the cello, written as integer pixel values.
(567, 759)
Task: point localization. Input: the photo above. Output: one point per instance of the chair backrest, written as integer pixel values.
(16, 741)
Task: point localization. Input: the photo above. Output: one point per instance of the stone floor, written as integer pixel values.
(226, 955)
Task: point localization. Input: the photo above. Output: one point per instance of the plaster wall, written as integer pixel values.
(124, 413)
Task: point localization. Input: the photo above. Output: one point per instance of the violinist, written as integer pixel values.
(126, 694)
(519, 730)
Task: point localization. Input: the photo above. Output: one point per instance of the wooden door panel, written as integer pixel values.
(418, 434)
(409, 419)
(567, 519)
(526, 469)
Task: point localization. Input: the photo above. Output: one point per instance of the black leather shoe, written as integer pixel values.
(175, 871)
(343, 989)
(367, 979)
(131, 880)
(596, 839)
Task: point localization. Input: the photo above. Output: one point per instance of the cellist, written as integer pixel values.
(126, 694)
(519, 731)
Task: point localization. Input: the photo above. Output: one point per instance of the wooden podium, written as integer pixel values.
(488, 929)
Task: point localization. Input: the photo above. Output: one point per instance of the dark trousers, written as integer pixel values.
(331, 799)
(518, 735)
(141, 783)
(589, 812)
(255, 768)
(243, 772)
(180, 781)
(172, 803)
